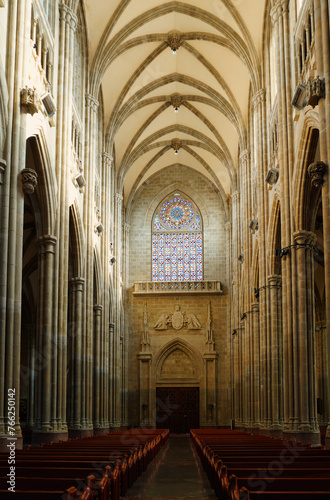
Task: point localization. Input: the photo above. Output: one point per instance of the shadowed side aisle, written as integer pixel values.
(175, 473)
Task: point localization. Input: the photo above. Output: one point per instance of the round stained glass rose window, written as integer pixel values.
(176, 213)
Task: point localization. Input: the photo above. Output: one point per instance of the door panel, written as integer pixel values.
(177, 409)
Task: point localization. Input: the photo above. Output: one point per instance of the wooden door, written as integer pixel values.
(177, 409)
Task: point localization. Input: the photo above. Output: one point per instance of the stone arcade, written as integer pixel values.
(164, 190)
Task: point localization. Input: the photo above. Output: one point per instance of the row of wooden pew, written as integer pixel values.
(97, 467)
(241, 466)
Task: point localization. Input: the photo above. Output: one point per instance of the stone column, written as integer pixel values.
(46, 424)
(145, 360)
(67, 27)
(276, 351)
(280, 16)
(92, 106)
(321, 34)
(255, 390)
(11, 217)
(77, 288)
(127, 229)
(235, 209)
(304, 370)
(106, 253)
(111, 374)
(117, 373)
(322, 383)
(97, 396)
(211, 371)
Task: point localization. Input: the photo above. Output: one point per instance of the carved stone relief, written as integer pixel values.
(177, 320)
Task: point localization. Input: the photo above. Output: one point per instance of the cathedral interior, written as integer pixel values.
(164, 194)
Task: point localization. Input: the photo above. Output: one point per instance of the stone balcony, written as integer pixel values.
(181, 287)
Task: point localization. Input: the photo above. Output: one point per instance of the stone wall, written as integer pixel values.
(178, 356)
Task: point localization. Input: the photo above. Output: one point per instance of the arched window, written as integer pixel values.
(177, 240)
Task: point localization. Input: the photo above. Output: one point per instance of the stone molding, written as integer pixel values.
(177, 287)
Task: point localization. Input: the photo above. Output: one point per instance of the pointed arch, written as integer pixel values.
(188, 352)
(306, 199)
(98, 278)
(274, 233)
(77, 240)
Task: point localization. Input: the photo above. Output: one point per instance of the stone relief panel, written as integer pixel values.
(177, 320)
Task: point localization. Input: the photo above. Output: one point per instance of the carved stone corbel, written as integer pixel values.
(30, 100)
(316, 172)
(29, 180)
(315, 91)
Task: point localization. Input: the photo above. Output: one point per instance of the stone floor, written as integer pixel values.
(176, 472)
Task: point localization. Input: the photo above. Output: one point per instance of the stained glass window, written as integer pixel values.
(177, 241)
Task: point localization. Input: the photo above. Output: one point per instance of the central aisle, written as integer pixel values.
(176, 472)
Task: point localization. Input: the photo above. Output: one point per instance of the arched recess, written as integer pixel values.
(274, 239)
(189, 373)
(39, 206)
(178, 368)
(76, 288)
(309, 217)
(306, 200)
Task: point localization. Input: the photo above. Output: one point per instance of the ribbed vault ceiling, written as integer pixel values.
(216, 67)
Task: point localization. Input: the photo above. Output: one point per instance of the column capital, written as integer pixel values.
(228, 226)
(107, 159)
(29, 180)
(255, 307)
(67, 15)
(46, 243)
(119, 198)
(275, 280)
(259, 97)
(97, 310)
(303, 237)
(92, 102)
(245, 156)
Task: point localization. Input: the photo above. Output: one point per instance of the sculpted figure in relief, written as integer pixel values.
(192, 322)
(161, 323)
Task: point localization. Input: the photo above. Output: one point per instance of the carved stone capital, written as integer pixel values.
(119, 198)
(315, 91)
(29, 180)
(127, 227)
(3, 165)
(244, 156)
(316, 172)
(92, 102)
(46, 244)
(30, 100)
(67, 15)
(303, 237)
(107, 159)
(97, 310)
(275, 280)
(259, 97)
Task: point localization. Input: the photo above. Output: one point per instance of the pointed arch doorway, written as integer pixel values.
(177, 409)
